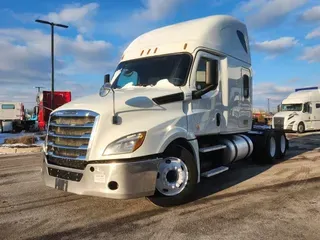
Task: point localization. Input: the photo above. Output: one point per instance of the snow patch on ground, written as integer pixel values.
(19, 145)
(4, 136)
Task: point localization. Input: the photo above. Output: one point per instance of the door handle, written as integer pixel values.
(218, 116)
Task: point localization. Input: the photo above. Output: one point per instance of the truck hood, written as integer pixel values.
(125, 99)
(136, 111)
(287, 114)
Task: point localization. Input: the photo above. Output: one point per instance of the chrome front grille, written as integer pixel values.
(278, 122)
(69, 134)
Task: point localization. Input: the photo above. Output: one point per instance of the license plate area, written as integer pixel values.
(66, 175)
(61, 184)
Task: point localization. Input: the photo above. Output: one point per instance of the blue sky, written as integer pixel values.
(284, 37)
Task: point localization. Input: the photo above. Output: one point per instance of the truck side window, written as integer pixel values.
(202, 71)
(8, 106)
(246, 86)
(317, 105)
(242, 40)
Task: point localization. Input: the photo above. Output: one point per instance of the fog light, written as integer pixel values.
(113, 185)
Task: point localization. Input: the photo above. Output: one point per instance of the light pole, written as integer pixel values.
(39, 88)
(52, 24)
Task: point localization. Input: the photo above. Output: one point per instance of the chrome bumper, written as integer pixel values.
(131, 179)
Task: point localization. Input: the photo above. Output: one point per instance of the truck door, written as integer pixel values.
(315, 116)
(205, 112)
(307, 115)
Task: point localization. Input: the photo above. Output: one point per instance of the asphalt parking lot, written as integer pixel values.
(250, 201)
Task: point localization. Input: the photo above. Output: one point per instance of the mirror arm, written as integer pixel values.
(199, 93)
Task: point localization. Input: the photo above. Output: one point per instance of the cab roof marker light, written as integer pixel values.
(141, 52)
(148, 51)
(185, 46)
(155, 50)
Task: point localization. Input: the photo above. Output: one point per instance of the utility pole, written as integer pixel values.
(52, 24)
(39, 88)
(268, 105)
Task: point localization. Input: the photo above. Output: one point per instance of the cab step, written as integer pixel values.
(212, 148)
(214, 171)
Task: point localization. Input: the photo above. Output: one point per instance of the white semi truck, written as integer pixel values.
(177, 108)
(300, 111)
(12, 115)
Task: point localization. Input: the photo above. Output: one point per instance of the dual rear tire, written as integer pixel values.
(270, 146)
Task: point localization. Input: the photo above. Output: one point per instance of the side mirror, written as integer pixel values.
(105, 89)
(212, 72)
(107, 78)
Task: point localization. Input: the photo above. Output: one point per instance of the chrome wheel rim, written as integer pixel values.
(282, 144)
(272, 147)
(172, 176)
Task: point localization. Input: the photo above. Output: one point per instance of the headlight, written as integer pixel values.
(127, 144)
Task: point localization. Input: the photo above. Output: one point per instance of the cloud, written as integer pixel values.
(294, 80)
(275, 47)
(312, 14)
(89, 55)
(275, 93)
(311, 54)
(25, 61)
(144, 18)
(76, 15)
(155, 10)
(314, 34)
(266, 13)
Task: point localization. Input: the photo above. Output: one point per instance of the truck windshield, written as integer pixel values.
(149, 71)
(291, 107)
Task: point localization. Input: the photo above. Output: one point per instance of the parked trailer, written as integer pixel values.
(44, 107)
(178, 108)
(12, 116)
(300, 111)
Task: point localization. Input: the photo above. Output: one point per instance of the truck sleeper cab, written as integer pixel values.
(300, 111)
(177, 108)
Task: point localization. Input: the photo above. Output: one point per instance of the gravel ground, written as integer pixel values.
(280, 201)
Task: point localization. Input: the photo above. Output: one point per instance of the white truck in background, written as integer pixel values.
(300, 111)
(11, 116)
(178, 108)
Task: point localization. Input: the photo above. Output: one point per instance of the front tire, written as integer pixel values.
(301, 128)
(176, 179)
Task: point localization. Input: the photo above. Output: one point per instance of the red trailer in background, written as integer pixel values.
(45, 108)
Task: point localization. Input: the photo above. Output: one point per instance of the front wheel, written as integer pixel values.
(301, 128)
(176, 179)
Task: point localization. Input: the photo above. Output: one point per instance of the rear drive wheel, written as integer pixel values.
(176, 179)
(270, 150)
(301, 128)
(282, 145)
